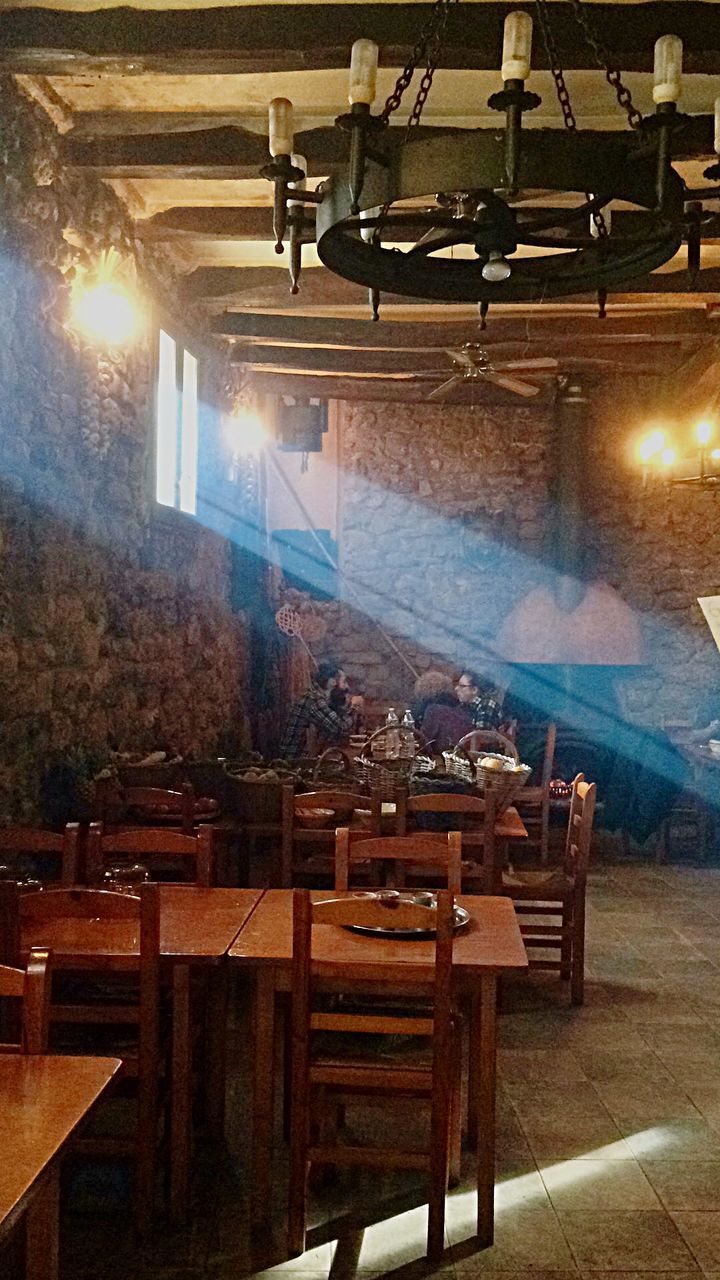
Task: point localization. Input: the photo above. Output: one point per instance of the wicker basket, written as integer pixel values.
(385, 776)
(503, 784)
(459, 765)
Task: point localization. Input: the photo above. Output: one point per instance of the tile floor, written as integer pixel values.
(609, 1128)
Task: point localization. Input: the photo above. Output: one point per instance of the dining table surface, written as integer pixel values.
(197, 927)
(44, 1100)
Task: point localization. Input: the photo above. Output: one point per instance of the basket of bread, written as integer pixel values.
(503, 776)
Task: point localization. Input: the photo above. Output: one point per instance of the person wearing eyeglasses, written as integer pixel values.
(478, 701)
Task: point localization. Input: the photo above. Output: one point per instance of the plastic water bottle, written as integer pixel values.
(392, 735)
(407, 736)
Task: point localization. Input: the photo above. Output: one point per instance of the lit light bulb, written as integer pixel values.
(105, 313)
(667, 457)
(280, 127)
(668, 69)
(363, 72)
(517, 45)
(245, 433)
(703, 433)
(651, 446)
(715, 455)
(497, 268)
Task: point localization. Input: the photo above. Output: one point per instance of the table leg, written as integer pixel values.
(216, 1039)
(474, 1083)
(263, 1093)
(180, 1094)
(486, 1050)
(42, 1239)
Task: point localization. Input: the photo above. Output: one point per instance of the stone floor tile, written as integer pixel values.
(701, 1231)
(598, 1184)
(692, 1184)
(526, 1238)
(630, 1240)
(672, 1140)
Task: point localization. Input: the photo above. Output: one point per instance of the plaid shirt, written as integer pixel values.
(314, 709)
(486, 712)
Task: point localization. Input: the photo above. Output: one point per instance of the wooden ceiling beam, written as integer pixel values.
(660, 327)
(376, 363)
(410, 391)
(305, 36)
(268, 287)
(234, 152)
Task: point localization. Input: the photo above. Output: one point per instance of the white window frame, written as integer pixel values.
(176, 426)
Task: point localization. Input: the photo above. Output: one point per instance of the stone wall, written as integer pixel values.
(443, 517)
(115, 623)
(445, 526)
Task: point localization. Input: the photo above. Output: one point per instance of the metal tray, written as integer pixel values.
(461, 917)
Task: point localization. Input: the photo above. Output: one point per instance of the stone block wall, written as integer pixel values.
(115, 623)
(445, 525)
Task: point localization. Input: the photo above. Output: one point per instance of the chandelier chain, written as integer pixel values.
(426, 50)
(563, 94)
(602, 57)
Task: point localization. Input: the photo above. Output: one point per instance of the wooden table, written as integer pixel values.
(42, 1102)
(490, 946)
(197, 928)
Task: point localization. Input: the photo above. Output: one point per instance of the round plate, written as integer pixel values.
(461, 917)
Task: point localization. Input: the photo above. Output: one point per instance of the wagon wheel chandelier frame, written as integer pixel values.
(470, 187)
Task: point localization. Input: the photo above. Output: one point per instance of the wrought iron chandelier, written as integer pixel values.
(410, 197)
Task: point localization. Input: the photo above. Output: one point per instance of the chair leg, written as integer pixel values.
(577, 980)
(456, 1113)
(566, 950)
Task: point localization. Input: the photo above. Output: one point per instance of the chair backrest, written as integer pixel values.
(373, 913)
(37, 845)
(579, 830)
(151, 802)
(338, 801)
(489, 740)
(152, 845)
(548, 757)
(32, 987)
(439, 852)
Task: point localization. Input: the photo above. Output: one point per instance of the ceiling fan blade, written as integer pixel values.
(462, 357)
(511, 384)
(542, 362)
(444, 387)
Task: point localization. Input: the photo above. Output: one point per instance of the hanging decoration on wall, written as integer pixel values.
(409, 199)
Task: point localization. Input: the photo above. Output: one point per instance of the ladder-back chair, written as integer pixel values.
(30, 849)
(157, 848)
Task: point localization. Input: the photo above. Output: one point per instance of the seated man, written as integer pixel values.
(478, 701)
(326, 706)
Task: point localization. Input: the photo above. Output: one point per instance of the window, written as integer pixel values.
(176, 427)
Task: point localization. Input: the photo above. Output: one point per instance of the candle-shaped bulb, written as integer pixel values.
(363, 72)
(703, 431)
(668, 69)
(298, 162)
(517, 45)
(281, 127)
(717, 126)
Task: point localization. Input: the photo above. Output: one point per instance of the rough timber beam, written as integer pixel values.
(661, 327)
(234, 152)
(304, 37)
(409, 391)
(379, 363)
(268, 287)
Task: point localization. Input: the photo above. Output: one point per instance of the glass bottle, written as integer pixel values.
(407, 736)
(392, 735)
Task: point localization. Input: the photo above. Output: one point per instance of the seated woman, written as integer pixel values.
(443, 722)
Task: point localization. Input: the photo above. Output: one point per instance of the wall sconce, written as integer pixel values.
(698, 467)
(104, 306)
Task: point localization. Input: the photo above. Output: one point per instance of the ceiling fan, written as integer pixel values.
(473, 364)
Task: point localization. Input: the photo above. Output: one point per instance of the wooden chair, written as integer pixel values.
(17, 843)
(32, 987)
(533, 803)
(307, 852)
(153, 847)
(559, 891)
(146, 804)
(475, 818)
(320, 1076)
(484, 740)
(435, 853)
(129, 997)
